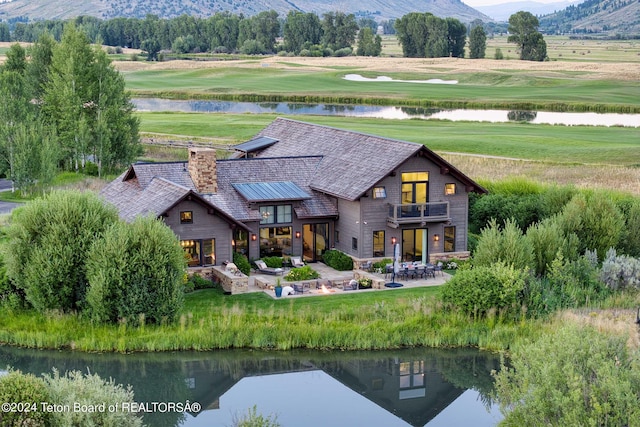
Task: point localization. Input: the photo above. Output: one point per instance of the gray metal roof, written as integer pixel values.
(270, 191)
(255, 144)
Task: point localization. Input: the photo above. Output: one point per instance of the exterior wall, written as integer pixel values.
(374, 212)
(348, 226)
(203, 226)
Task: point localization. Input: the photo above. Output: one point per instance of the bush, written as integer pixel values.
(508, 246)
(196, 282)
(301, 273)
(481, 289)
(382, 264)
(620, 271)
(595, 219)
(242, 263)
(48, 242)
(337, 260)
(253, 47)
(90, 169)
(90, 390)
(17, 387)
(572, 377)
(136, 270)
(273, 261)
(253, 419)
(547, 241)
(365, 283)
(345, 51)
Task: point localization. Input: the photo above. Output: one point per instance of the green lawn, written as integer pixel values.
(492, 89)
(570, 144)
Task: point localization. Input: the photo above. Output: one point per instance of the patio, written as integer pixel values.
(265, 282)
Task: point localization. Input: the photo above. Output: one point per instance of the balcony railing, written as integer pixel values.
(416, 213)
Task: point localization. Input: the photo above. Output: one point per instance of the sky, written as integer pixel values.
(474, 3)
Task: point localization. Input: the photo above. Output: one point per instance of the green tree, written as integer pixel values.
(48, 242)
(573, 376)
(301, 29)
(5, 32)
(16, 59)
(339, 30)
(411, 30)
(523, 31)
(368, 44)
(136, 270)
(477, 42)
(456, 37)
(39, 67)
(152, 47)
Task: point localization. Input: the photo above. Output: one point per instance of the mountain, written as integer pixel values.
(594, 16)
(105, 9)
(501, 12)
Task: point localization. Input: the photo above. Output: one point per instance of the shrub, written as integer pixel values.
(253, 419)
(382, 264)
(574, 283)
(595, 219)
(508, 246)
(273, 261)
(136, 269)
(48, 242)
(478, 290)
(242, 263)
(301, 273)
(199, 282)
(253, 47)
(338, 260)
(620, 271)
(547, 241)
(572, 377)
(17, 387)
(345, 51)
(76, 389)
(365, 283)
(498, 54)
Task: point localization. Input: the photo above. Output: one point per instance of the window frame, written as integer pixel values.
(186, 217)
(379, 192)
(448, 186)
(451, 239)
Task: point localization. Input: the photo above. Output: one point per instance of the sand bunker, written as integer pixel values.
(359, 78)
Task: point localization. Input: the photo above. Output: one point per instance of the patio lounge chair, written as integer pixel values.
(296, 261)
(262, 268)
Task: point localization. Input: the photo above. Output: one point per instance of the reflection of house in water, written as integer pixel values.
(412, 384)
(412, 388)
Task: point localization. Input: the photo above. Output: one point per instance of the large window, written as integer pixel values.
(241, 241)
(378, 243)
(280, 214)
(415, 192)
(275, 241)
(199, 252)
(450, 239)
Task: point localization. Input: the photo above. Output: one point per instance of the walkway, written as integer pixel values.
(335, 275)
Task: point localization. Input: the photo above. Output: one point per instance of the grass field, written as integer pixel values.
(571, 144)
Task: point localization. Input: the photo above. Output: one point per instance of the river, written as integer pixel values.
(386, 112)
(412, 387)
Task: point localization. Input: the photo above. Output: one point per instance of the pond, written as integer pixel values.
(412, 387)
(385, 112)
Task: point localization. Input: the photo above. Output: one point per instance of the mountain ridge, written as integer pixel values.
(106, 9)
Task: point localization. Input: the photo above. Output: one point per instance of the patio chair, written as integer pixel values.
(323, 282)
(367, 266)
(438, 268)
(296, 262)
(350, 285)
(298, 288)
(262, 268)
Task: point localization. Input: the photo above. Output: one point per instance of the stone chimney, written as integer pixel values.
(202, 168)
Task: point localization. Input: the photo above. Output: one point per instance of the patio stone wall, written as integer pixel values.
(446, 256)
(231, 282)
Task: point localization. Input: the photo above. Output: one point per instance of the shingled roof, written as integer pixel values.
(153, 188)
(353, 162)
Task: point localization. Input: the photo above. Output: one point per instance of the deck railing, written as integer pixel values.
(418, 213)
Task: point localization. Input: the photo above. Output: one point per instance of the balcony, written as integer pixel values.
(417, 213)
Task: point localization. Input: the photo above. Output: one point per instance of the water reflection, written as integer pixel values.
(399, 113)
(415, 387)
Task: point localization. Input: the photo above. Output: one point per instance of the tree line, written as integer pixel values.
(220, 33)
(64, 107)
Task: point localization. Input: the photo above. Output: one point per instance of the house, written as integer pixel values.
(300, 189)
